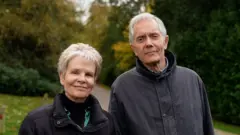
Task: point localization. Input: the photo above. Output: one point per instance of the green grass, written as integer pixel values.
(227, 127)
(17, 108)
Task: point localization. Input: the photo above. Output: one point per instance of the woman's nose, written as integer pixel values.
(81, 78)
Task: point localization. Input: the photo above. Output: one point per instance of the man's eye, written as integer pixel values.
(140, 39)
(154, 35)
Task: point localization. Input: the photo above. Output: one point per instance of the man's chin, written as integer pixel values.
(153, 62)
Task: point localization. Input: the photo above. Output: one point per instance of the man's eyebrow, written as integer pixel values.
(154, 32)
(142, 35)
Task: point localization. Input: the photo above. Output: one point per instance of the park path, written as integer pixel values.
(103, 97)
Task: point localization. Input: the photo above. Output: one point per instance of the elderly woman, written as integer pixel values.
(75, 111)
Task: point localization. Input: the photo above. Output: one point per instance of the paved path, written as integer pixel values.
(103, 97)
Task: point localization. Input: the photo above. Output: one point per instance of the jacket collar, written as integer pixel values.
(61, 119)
(156, 76)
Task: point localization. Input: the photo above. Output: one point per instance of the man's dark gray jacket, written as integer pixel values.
(173, 102)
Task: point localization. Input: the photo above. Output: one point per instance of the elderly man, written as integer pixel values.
(157, 97)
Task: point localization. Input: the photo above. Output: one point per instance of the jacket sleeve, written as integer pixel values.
(207, 118)
(27, 127)
(117, 112)
(113, 130)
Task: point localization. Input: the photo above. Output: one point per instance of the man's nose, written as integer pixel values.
(149, 42)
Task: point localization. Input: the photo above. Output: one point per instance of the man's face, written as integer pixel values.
(148, 42)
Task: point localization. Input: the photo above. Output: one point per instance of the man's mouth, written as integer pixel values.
(80, 87)
(150, 52)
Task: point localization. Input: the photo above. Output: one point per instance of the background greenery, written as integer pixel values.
(17, 108)
(204, 35)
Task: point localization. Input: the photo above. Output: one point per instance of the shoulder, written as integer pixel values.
(40, 113)
(188, 74)
(125, 77)
(30, 123)
(184, 71)
(111, 123)
(107, 114)
(109, 117)
(126, 74)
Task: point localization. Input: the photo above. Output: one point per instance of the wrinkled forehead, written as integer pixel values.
(146, 26)
(147, 33)
(146, 20)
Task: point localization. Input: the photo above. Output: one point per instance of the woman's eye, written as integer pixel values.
(89, 74)
(74, 72)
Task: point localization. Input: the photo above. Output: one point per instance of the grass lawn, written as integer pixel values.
(17, 109)
(227, 127)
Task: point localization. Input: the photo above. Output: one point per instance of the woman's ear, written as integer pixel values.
(61, 77)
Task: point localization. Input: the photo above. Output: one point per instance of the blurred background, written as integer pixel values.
(204, 35)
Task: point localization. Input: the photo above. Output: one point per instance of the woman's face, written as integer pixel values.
(78, 79)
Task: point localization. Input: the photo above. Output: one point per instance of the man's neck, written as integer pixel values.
(156, 67)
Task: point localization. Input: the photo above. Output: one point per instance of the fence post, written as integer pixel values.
(2, 119)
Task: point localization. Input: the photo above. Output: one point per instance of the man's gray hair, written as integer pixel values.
(143, 16)
(79, 49)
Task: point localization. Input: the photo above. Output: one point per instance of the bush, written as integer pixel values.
(214, 54)
(25, 82)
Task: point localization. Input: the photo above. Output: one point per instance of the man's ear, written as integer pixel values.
(166, 39)
(133, 49)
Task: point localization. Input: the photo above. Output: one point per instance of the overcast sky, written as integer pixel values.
(83, 5)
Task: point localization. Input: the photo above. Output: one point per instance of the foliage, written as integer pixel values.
(96, 25)
(207, 41)
(27, 82)
(121, 13)
(33, 30)
(124, 56)
(204, 35)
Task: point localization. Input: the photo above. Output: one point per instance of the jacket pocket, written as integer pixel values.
(165, 125)
(158, 127)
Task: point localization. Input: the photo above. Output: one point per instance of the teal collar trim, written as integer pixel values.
(87, 116)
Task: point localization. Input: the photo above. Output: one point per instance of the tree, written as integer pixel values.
(121, 13)
(204, 35)
(37, 31)
(94, 30)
